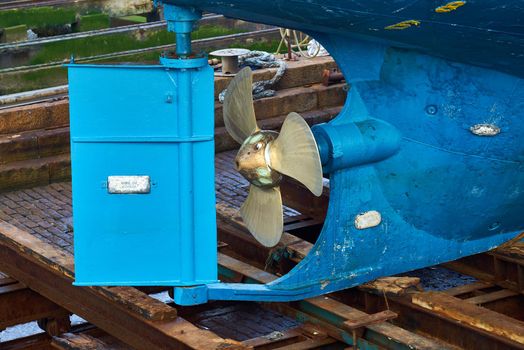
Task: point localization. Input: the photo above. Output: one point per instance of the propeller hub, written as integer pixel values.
(252, 160)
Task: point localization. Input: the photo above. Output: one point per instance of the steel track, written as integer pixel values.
(7, 101)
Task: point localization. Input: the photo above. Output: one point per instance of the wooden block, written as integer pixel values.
(139, 302)
(369, 320)
(475, 316)
(392, 285)
(69, 341)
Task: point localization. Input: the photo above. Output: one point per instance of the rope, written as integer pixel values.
(261, 59)
(306, 46)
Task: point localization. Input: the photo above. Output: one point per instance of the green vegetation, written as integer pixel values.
(151, 57)
(99, 45)
(209, 31)
(38, 79)
(93, 22)
(37, 17)
(262, 45)
(135, 19)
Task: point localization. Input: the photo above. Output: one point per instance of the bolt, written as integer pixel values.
(431, 109)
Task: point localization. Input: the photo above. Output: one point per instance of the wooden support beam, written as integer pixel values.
(49, 271)
(467, 288)
(70, 341)
(473, 315)
(296, 196)
(331, 309)
(19, 304)
(491, 297)
(411, 316)
(275, 340)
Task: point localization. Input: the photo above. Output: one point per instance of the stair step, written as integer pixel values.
(49, 142)
(56, 113)
(298, 99)
(45, 170)
(33, 117)
(34, 144)
(224, 142)
(298, 73)
(35, 172)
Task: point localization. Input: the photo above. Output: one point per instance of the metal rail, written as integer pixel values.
(196, 43)
(30, 97)
(50, 94)
(99, 32)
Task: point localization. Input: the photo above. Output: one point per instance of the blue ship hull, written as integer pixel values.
(486, 33)
(429, 138)
(428, 144)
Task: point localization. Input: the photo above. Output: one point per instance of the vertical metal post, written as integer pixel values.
(185, 156)
(181, 20)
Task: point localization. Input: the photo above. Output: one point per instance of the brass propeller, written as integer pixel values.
(265, 156)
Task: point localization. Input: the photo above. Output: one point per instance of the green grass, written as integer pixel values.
(17, 82)
(267, 46)
(136, 19)
(37, 17)
(93, 22)
(39, 79)
(209, 31)
(151, 57)
(99, 45)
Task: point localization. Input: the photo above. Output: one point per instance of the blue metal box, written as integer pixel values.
(142, 152)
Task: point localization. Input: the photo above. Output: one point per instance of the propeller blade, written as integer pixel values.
(263, 214)
(239, 113)
(295, 153)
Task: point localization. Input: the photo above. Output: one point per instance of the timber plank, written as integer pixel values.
(19, 304)
(69, 341)
(335, 307)
(308, 344)
(50, 272)
(490, 297)
(471, 314)
(467, 288)
(273, 339)
(89, 340)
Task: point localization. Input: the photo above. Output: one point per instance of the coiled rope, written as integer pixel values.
(261, 59)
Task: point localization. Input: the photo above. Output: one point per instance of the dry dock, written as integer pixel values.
(36, 260)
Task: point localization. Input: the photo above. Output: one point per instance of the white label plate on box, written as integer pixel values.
(134, 184)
